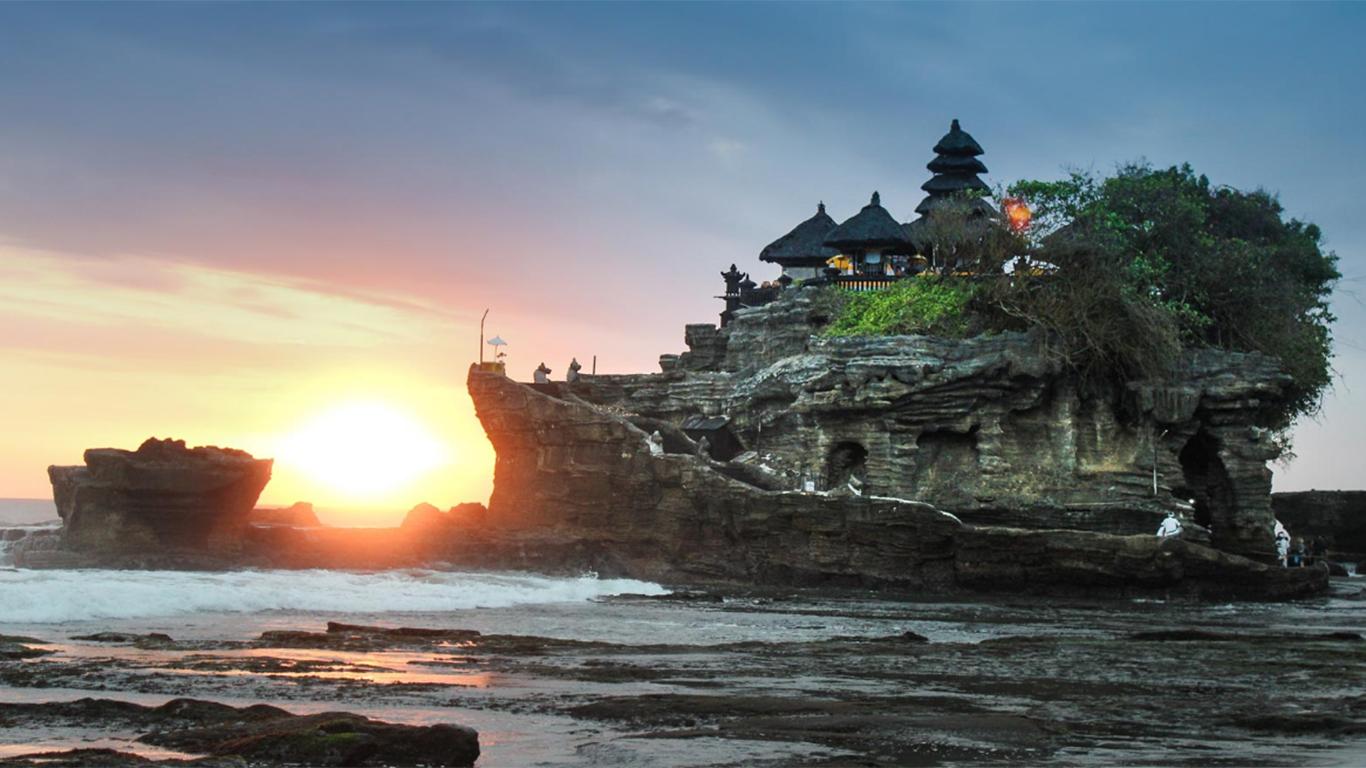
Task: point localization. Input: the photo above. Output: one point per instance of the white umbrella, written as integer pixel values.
(497, 341)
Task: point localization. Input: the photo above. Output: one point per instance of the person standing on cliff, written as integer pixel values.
(542, 374)
(574, 369)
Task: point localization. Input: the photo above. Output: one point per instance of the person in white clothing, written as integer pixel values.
(1170, 527)
(1282, 542)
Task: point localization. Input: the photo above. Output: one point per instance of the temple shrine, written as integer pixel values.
(871, 249)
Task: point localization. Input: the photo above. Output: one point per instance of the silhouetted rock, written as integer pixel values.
(157, 500)
(424, 516)
(300, 514)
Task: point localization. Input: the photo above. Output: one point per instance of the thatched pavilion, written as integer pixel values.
(802, 253)
(869, 239)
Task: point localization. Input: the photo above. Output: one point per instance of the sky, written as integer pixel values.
(225, 222)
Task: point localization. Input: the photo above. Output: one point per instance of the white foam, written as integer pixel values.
(52, 596)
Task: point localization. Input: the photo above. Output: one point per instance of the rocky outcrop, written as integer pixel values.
(1338, 517)
(300, 514)
(259, 734)
(425, 518)
(992, 429)
(161, 499)
(577, 484)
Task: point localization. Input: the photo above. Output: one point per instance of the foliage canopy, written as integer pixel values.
(1224, 266)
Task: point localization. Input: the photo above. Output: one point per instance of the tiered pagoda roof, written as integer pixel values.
(955, 169)
(805, 245)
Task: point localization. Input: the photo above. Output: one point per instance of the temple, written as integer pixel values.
(772, 450)
(871, 249)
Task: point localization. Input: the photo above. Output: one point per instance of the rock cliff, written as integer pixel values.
(162, 498)
(1338, 517)
(991, 429)
(578, 484)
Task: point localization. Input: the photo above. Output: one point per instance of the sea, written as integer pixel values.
(1071, 671)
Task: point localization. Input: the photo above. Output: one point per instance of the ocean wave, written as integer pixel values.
(42, 596)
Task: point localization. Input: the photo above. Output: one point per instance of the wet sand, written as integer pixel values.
(741, 678)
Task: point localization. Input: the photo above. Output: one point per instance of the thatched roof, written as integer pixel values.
(933, 201)
(956, 164)
(872, 227)
(805, 245)
(951, 183)
(958, 142)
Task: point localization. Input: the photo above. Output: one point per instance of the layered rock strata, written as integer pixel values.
(162, 498)
(991, 428)
(578, 484)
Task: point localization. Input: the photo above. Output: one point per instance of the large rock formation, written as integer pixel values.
(992, 428)
(162, 498)
(578, 484)
(1338, 517)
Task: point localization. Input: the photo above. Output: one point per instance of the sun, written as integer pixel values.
(363, 450)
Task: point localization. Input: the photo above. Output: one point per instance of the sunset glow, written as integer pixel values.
(366, 450)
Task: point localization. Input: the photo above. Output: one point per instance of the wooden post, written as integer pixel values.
(595, 365)
(1155, 439)
(481, 337)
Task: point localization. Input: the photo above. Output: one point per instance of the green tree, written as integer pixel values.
(1225, 266)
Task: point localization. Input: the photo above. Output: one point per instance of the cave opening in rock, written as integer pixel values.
(847, 460)
(1206, 481)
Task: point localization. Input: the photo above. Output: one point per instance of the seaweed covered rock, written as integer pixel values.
(261, 734)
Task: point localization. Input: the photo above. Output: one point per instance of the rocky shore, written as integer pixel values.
(760, 678)
(226, 735)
